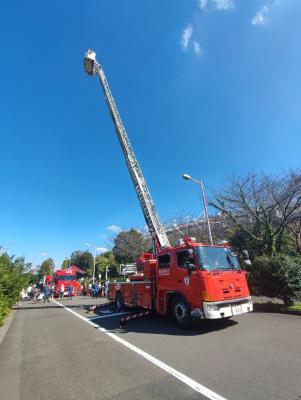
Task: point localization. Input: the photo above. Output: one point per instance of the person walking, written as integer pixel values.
(52, 291)
(94, 290)
(62, 290)
(70, 292)
(29, 289)
(46, 293)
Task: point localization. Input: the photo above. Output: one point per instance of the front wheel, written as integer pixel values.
(119, 302)
(180, 312)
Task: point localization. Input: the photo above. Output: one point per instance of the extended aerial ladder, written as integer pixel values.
(155, 226)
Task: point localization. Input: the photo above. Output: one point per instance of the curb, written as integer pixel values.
(7, 322)
(291, 312)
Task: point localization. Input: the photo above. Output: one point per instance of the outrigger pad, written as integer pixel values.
(123, 321)
(99, 306)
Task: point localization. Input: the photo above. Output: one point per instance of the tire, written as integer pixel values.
(119, 302)
(180, 312)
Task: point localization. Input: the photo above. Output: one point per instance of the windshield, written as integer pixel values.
(216, 258)
(65, 277)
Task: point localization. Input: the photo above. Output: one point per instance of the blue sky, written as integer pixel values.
(209, 88)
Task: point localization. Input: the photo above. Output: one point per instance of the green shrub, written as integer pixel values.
(276, 276)
(12, 280)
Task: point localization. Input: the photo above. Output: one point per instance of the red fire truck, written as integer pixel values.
(189, 281)
(64, 277)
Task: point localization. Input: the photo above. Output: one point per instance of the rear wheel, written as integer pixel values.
(180, 312)
(119, 302)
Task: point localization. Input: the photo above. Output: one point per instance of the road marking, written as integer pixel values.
(109, 315)
(181, 377)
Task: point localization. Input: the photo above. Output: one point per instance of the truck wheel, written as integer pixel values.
(119, 302)
(180, 312)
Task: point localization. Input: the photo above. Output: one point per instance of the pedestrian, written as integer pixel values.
(70, 292)
(23, 295)
(95, 290)
(62, 290)
(46, 292)
(51, 291)
(29, 292)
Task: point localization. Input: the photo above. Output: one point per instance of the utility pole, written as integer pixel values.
(199, 182)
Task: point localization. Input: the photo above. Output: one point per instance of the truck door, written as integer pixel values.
(186, 279)
(164, 271)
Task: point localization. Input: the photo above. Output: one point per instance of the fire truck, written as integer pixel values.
(66, 277)
(190, 281)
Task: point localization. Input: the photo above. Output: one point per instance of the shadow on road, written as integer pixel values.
(39, 305)
(157, 324)
(152, 324)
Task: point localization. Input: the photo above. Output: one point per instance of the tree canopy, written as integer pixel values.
(104, 260)
(83, 260)
(46, 268)
(128, 245)
(264, 209)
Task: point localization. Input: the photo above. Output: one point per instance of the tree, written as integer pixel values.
(83, 260)
(277, 276)
(12, 279)
(128, 245)
(65, 264)
(46, 268)
(263, 209)
(104, 260)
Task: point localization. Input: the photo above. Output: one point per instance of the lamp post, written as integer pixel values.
(199, 182)
(94, 259)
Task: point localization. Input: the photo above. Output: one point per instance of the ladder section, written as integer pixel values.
(152, 218)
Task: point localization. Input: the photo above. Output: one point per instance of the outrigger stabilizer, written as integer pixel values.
(124, 320)
(100, 306)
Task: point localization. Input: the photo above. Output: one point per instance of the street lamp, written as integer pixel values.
(94, 257)
(189, 178)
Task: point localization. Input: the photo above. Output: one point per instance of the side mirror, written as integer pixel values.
(191, 267)
(246, 257)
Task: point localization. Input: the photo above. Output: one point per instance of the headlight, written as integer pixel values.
(212, 307)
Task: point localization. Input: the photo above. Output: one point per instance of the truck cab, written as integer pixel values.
(204, 281)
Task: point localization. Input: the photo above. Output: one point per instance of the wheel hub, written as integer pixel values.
(180, 312)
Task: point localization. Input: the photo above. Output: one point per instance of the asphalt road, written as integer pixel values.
(50, 353)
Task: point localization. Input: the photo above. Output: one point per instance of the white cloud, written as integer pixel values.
(197, 48)
(102, 249)
(203, 4)
(224, 4)
(103, 236)
(261, 17)
(186, 36)
(114, 228)
(43, 254)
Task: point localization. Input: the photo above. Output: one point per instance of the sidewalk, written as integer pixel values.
(4, 328)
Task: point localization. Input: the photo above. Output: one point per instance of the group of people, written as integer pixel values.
(37, 292)
(46, 291)
(98, 289)
(70, 291)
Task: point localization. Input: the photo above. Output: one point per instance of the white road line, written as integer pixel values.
(181, 377)
(109, 315)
